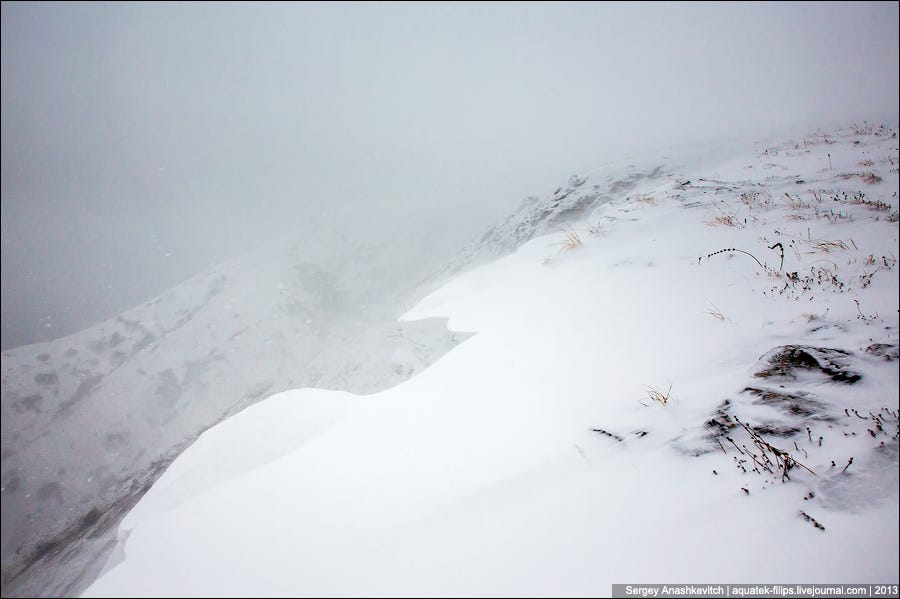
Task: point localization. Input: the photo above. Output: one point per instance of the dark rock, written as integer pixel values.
(797, 404)
(888, 352)
(783, 363)
(46, 378)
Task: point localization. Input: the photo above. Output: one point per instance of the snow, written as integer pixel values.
(531, 459)
(90, 420)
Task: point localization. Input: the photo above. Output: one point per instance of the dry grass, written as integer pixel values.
(831, 216)
(826, 246)
(783, 461)
(644, 198)
(594, 229)
(716, 313)
(869, 177)
(824, 276)
(750, 198)
(796, 203)
(865, 176)
(725, 220)
(860, 199)
(814, 140)
(865, 279)
(572, 241)
(871, 129)
(755, 199)
(658, 396)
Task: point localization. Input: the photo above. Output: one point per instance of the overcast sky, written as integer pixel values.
(142, 143)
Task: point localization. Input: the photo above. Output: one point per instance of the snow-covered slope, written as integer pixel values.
(698, 382)
(569, 204)
(90, 420)
(565, 204)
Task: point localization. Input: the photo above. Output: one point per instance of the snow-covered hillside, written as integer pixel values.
(90, 420)
(696, 382)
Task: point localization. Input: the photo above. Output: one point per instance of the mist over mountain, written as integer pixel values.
(90, 420)
(143, 143)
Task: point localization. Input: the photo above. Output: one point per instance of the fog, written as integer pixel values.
(142, 143)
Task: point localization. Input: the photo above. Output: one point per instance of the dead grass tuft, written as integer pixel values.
(644, 198)
(658, 396)
(725, 220)
(826, 246)
(572, 241)
(869, 177)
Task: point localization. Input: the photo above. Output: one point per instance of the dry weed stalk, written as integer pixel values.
(595, 229)
(708, 256)
(716, 313)
(780, 459)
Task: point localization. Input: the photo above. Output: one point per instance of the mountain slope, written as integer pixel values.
(700, 385)
(92, 419)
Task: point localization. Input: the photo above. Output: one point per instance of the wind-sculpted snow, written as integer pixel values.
(90, 420)
(703, 388)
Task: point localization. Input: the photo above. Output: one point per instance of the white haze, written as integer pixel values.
(142, 143)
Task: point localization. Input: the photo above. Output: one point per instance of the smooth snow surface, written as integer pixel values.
(533, 460)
